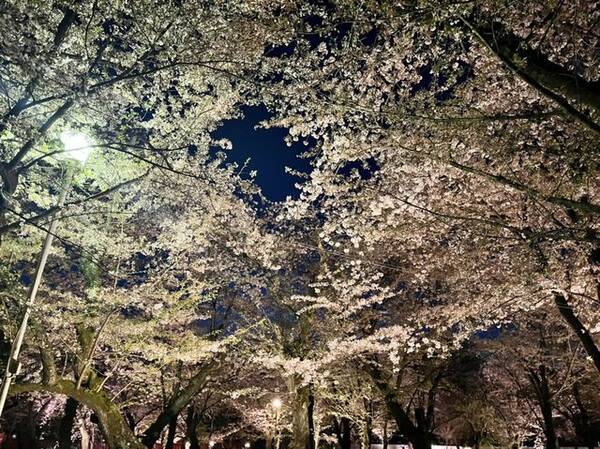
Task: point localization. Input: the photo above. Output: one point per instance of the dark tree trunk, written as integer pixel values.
(566, 311)
(539, 381)
(581, 420)
(67, 423)
(343, 432)
(310, 409)
(171, 433)
(418, 438)
(420, 441)
(192, 428)
(422, 435)
(346, 432)
(477, 440)
(549, 431)
(299, 404)
(368, 423)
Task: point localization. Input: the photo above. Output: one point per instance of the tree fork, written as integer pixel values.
(176, 404)
(418, 438)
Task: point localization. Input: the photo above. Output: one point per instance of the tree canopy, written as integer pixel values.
(435, 278)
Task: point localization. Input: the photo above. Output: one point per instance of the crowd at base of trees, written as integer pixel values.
(436, 279)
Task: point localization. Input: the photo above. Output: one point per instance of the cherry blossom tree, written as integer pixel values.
(453, 197)
(458, 160)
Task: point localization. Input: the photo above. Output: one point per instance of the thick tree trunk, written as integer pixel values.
(67, 423)
(583, 430)
(117, 434)
(300, 397)
(549, 431)
(420, 441)
(192, 428)
(346, 433)
(477, 440)
(177, 403)
(343, 433)
(566, 311)
(419, 438)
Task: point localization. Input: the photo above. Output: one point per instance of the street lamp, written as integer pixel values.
(77, 146)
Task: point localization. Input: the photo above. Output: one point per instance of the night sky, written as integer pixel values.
(267, 150)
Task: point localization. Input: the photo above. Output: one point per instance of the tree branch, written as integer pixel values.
(116, 433)
(567, 313)
(62, 110)
(177, 403)
(540, 73)
(48, 212)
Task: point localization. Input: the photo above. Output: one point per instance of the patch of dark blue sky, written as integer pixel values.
(267, 152)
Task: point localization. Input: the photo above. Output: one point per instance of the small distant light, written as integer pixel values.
(247, 444)
(77, 145)
(276, 403)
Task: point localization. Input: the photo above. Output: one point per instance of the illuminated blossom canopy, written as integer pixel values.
(429, 272)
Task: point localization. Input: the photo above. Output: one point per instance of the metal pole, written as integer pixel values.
(13, 365)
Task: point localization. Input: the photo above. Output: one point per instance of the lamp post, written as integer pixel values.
(76, 147)
(276, 403)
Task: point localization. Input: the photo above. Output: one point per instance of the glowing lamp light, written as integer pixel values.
(247, 444)
(276, 403)
(77, 146)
